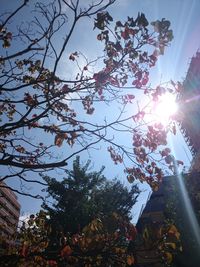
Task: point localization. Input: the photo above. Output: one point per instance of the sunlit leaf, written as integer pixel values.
(168, 257)
(130, 260)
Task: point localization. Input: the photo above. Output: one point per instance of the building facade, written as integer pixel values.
(178, 198)
(189, 105)
(9, 211)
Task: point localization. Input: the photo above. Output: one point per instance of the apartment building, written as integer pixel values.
(9, 210)
(189, 108)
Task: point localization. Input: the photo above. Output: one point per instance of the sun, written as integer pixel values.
(165, 108)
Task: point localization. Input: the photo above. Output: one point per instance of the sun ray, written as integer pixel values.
(163, 109)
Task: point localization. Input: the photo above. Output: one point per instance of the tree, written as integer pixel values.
(42, 109)
(82, 196)
(101, 243)
(88, 223)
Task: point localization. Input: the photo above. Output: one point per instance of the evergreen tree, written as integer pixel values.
(83, 195)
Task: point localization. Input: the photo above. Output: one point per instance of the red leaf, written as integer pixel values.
(180, 162)
(130, 178)
(72, 57)
(24, 250)
(138, 75)
(65, 88)
(9, 35)
(132, 232)
(66, 251)
(145, 81)
(52, 263)
(125, 34)
(131, 31)
(137, 83)
(131, 97)
(59, 138)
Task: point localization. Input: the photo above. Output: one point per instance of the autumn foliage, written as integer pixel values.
(44, 112)
(104, 242)
(158, 244)
(88, 223)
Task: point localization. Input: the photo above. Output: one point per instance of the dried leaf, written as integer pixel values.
(59, 138)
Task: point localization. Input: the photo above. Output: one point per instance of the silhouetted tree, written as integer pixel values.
(82, 196)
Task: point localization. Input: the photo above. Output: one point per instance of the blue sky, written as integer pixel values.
(185, 22)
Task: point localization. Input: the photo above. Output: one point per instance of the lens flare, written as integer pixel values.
(165, 108)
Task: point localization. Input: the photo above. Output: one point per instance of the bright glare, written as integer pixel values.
(165, 108)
